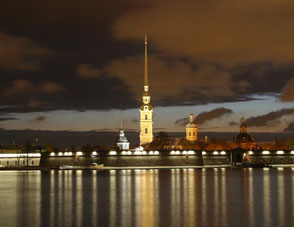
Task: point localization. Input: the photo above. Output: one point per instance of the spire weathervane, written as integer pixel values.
(146, 85)
(120, 118)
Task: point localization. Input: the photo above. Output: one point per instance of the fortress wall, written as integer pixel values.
(279, 159)
(163, 158)
(120, 161)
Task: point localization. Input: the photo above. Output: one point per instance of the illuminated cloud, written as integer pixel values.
(20, 53)
(32, 103)
(21, 86)
(224, 32)
(18, 86)
(174, 79)
(87, 71)
(50, 87)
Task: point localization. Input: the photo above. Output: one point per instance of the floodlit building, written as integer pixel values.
(122, 142)
(244, 140)
(14, 158)
(191, 129)
(146, 110)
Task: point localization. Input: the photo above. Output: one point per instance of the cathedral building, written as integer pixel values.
(146, 110)
(244, 140)
(122, 142)
(191, 130)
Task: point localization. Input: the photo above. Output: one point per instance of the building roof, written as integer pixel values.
(121, 137)
(243, 136)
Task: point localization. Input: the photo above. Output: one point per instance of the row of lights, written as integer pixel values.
(12, 155)
(184, 152)
(94, 153)
(268, 152)
(66, 153)
(215, 153)
(135, 153)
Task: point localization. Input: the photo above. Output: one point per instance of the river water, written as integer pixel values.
(154, 197)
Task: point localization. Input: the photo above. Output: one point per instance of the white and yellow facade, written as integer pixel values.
(191, 129)
(146, 110)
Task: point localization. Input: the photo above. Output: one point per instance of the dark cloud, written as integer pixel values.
(41, 118)
(20, 53)
(205, 116)
(87, 71)
(182, 121)
(50, 87)
(268, 119)
(89, 56)
(290, 127)
(75, 94)
(288, 92)
(7, 118)
(233, 123)
(18, 86)
(211, 115)
(276, 76)
(21, 86)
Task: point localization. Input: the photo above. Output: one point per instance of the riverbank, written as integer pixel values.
(48, 168)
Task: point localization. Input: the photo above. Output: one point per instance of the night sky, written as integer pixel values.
(71, 65)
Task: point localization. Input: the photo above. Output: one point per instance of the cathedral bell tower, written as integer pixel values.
(191, 129)
(146, 110)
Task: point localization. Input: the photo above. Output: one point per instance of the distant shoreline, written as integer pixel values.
(63, 139)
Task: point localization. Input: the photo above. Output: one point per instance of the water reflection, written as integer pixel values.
(281, 200)
(250, 197)
(168, 197)
(266, 197)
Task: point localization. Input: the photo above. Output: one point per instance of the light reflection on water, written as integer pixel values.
(148, 198)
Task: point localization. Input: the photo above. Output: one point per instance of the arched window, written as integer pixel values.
(189, 133)
(146, 130)
(146, 117)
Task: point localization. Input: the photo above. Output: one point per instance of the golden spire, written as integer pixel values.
(120, 119)
(146, 67)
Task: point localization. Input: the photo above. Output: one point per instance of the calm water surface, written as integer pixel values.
(166, 197)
